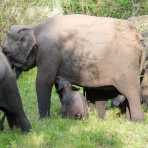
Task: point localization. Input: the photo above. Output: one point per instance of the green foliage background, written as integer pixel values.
(33, 11)
(113, 132)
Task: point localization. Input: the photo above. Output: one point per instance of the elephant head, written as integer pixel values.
(19, 46)
(61, 84)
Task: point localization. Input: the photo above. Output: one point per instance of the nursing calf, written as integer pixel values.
(74, 104)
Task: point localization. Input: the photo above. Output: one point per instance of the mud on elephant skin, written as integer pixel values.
(73, 104)
(10, 100)
(85, 50)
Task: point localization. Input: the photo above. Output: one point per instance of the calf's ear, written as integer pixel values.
(25, 36)
(27, 39)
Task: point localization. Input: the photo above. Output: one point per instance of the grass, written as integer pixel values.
(33, 11)
(55, 132)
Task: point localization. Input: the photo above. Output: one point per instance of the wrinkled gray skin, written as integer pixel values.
(74, 104)
(10, 100)
(85, 50)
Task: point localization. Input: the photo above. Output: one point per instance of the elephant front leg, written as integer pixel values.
(44, 88)
(2, 122)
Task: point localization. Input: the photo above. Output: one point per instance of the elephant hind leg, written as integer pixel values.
(101, 108)
(130, 88)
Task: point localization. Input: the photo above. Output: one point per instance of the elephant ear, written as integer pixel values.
(17, 28)
(24, 36)
(13, 32)
(28, 40)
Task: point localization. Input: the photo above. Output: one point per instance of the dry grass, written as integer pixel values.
(56, 132)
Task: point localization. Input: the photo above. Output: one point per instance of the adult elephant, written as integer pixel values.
(85, 50)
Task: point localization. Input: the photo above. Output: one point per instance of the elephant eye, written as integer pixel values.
(22, 39)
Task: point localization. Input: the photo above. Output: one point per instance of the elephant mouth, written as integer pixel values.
(17, 67)
(16, 62)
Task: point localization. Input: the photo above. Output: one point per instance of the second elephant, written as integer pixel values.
(85, 50)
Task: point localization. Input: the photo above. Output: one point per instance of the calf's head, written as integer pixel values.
(19, 46)
(73, 104)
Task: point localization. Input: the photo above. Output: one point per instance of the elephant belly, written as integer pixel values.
(84, 73)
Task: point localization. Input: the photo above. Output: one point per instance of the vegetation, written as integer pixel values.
(113, 132)
(33, 11)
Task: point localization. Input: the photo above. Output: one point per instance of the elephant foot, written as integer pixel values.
(25, 126)
(44, 115)
(138, 117)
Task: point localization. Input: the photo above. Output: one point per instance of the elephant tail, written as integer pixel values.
(142, 60)
(145, 39)
(84, 92)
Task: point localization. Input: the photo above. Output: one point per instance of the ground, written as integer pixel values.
(55, 132)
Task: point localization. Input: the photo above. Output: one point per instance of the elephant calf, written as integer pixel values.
(10, 100)
(74, 105)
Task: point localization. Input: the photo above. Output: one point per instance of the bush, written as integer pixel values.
(22, 12)
(33, 11)
(113, 8)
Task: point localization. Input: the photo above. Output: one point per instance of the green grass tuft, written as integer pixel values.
(55, 132)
